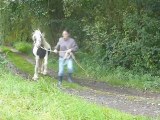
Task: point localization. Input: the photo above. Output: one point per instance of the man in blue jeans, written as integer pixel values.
(64, 47)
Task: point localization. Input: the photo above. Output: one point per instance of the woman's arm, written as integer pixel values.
(57, 47)
(74, 47)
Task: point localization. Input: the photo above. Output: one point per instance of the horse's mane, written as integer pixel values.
(44, 41)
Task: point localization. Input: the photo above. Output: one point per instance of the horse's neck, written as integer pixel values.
(45, 44)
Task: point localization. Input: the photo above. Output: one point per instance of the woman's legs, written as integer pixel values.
(70, 69)
(62, 63)
(61, 71)
(61, 67)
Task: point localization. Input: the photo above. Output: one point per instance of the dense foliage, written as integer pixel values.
(115, 33)
(23, 47)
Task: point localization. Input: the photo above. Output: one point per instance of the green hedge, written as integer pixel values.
(23, 47)
(117, 33)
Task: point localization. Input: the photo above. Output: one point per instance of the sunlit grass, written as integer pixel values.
(21, 99)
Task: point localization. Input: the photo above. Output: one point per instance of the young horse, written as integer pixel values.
(41, 55)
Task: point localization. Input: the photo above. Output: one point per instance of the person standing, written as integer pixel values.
(64, 47)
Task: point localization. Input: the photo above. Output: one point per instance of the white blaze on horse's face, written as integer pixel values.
(37, 38)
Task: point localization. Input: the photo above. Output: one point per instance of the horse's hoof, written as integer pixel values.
(44, 73)
(35, 78)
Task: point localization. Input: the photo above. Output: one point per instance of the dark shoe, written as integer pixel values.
(59, 84)
(70, 78)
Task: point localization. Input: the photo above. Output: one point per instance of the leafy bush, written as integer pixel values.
(135, 46)
(117, 33)
(23, 47)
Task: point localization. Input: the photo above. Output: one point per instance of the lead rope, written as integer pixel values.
(67, 56)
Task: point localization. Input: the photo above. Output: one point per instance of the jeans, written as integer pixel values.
(62, 63)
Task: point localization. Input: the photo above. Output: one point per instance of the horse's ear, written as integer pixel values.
(33, 37)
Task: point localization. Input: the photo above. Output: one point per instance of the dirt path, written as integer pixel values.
(124, 99)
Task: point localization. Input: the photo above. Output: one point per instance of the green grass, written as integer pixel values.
(26, 100)
(5, 49)
(20, 63)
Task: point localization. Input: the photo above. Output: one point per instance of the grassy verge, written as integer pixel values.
(20, 99)
(20, 63)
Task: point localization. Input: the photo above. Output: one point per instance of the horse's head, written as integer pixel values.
(37, 38)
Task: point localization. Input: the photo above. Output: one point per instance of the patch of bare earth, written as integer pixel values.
(124, 99)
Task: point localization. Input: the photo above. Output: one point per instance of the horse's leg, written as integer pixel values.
(35, 77)
(39, 67)
(42, 66)
(45, 64)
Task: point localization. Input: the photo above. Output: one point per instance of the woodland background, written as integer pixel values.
(112, 33)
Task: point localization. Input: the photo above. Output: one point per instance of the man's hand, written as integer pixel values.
(55, 51)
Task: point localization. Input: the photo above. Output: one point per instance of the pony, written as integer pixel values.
(41, 51)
